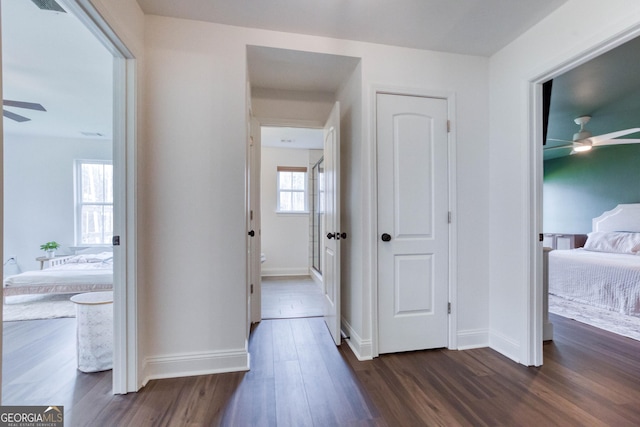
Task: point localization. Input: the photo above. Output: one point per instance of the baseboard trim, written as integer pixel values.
(362, 349)
(505, 346)
(191, 364)
(473, 338)
(270, 272)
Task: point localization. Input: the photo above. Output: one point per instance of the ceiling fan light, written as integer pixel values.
(581, 148)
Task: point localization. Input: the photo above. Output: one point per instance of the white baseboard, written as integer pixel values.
(473, 338)
(317, 277)
(190, 364)
(505, 345)
(268, 272)
(362, 349)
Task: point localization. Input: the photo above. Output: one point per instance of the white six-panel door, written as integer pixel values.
(413, 223)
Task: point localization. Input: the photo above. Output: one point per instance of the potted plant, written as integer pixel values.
(50, 248)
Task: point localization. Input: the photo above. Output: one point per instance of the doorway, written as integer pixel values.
(289, 204)
(578, 186)
(119, 129)
(296, 89)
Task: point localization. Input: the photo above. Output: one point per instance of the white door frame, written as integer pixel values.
(450, 97)
(532, 353)
(125, 351)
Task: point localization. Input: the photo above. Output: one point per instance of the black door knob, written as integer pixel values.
(385, 237)
(343, 235)
(331, 235)
(251, 233)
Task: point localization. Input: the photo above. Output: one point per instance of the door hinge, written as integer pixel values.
(251, 286)
(448, 126)
(448, 308)
(449, 217)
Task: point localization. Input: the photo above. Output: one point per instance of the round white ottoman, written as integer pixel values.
(94, 316)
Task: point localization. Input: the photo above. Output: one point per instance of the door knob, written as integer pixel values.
(251, 233)
(385, 237)
(343, 235)
(331, 235)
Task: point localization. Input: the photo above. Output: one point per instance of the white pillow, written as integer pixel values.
(613, 241)
(94, 250)
(85, 258)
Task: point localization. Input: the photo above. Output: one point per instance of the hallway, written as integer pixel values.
(290, 297)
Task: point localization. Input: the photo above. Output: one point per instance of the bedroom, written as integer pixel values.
(51, 159)
(580, 187)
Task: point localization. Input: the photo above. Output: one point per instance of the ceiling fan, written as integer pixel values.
(583, 140)
(20, 104)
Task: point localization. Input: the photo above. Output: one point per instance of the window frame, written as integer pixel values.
(304, 191)
(79, 204)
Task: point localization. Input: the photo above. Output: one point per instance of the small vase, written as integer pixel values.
(51, 254)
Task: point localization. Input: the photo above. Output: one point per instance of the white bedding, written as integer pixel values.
(601, 279)
(81, 273)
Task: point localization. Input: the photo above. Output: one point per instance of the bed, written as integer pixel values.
(606, 272)
(85, 272)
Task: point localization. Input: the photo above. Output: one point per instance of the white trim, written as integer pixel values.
(294, 271)
(125, 357)
(473, 338)
(196, 363)
(531, 353)
(450, 97)
(503, 344)
(362, 349)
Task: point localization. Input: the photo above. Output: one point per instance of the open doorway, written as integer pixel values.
(291, 192)
(590, 162)
(71, 157)
(298, 90)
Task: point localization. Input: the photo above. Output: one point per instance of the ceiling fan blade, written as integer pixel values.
(14, 116)
(596, 140)
(560, 140)
(22, 104)
(618, 142)
(558, 147)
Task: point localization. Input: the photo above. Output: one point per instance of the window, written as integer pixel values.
(292, 189)
(94, 202)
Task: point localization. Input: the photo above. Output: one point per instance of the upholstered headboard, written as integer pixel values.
(624, 217)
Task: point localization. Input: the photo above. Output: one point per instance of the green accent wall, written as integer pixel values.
(580, 187)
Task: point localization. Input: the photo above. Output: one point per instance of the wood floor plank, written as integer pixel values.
(299, 377)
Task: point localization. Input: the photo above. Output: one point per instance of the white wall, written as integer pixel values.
(541, 52)
(194, 188)
(39, 192)
(285, 237)
(293, 106)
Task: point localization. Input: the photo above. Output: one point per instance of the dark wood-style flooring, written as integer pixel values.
(299, 378)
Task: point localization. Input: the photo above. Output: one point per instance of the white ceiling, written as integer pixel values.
(283, 69)
(52, 59)
(287, 137)
(475, 27)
